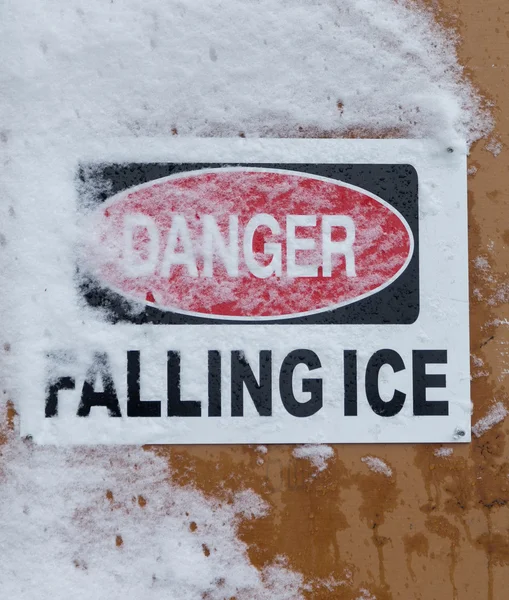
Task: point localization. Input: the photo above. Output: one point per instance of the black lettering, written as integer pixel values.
(313, 386)
(62, 383)
(376, 362)
(261, 393)
(176, 406)
(421, 381)
(108, 397)
(350, 382)
(135, 406)
(214, 381)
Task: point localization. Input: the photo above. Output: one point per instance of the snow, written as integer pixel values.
(481, 263)
(377, 465)
(74, 524)
(496, 414)
(494, 146)
(477, 361)
(106, 523)
(261, 450)
(317, 454)
(443, 452)
(365, 595)
(229, 68)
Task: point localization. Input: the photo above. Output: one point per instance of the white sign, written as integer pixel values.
(249, 291)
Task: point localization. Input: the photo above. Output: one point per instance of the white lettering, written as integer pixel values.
(179, 231)
(293, 244)
(212, 238)
(344, 248)
(134, 264)
(142, 246)
(272, 249)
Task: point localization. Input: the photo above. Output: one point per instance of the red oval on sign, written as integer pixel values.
(246, 243)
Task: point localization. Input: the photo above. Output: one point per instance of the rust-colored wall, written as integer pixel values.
(439, 528)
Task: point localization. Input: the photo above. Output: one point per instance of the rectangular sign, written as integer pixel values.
(253, 291)
(388, 293)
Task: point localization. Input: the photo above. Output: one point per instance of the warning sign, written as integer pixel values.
(265, 291)
(254, 243)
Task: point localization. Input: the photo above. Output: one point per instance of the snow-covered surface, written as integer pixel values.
(73, 69)
(83, 519)
(496, 414)
(377, 465)
(52, 320)
(317, 454)
(253, 67)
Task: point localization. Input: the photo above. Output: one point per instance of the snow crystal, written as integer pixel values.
(365, 595)
(501, 296)
(377, 465)
(494, 146)
(317, 454)
(443, 452)
(261, 450)
(496, 414)
(481, 262)
(477, 361)
(498, 322)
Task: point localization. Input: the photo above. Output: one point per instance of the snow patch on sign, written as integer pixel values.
(496, 414)
(317, 454)
(377, 465)
(234, 68)
(86, 517)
